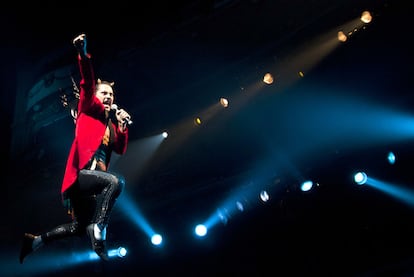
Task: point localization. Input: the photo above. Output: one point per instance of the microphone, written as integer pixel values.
(115, 108)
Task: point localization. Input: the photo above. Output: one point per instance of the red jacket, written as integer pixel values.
(90, 127)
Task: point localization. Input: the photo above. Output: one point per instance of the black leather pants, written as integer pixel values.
(107, 187)
(92, 199)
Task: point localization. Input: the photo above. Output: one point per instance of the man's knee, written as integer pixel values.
(120, 183)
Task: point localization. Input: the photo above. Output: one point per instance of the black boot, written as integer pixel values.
(27, 246)
(97, 245)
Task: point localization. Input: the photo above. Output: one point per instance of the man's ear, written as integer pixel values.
(99, 81)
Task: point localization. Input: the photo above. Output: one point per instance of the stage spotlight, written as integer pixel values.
(264, 196)
(120, 252)
(224, 102)
(164, 134)
(240, 206)
(223, 215)
(360, 178)
(342, 37)
(197, 121)
(391, 158)
(156, 239)
(306, 186)
(200, 230)
(268, 78)
(366, 17)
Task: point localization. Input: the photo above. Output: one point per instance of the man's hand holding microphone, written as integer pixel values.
(122, 116)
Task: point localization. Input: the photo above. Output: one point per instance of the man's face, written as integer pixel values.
(105, 94)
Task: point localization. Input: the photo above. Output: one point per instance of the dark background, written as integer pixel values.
(169, 61)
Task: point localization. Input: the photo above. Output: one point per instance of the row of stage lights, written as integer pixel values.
(201, 229)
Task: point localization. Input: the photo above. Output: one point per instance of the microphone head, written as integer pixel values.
(114, 107)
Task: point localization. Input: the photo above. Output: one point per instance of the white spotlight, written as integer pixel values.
(120, 252)
(264, 196)
(306, 186)
(164, 134)
(200, 230)
(156, 239)
(391, 158)
(360, 178)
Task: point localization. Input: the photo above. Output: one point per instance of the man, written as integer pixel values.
(88, 190)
